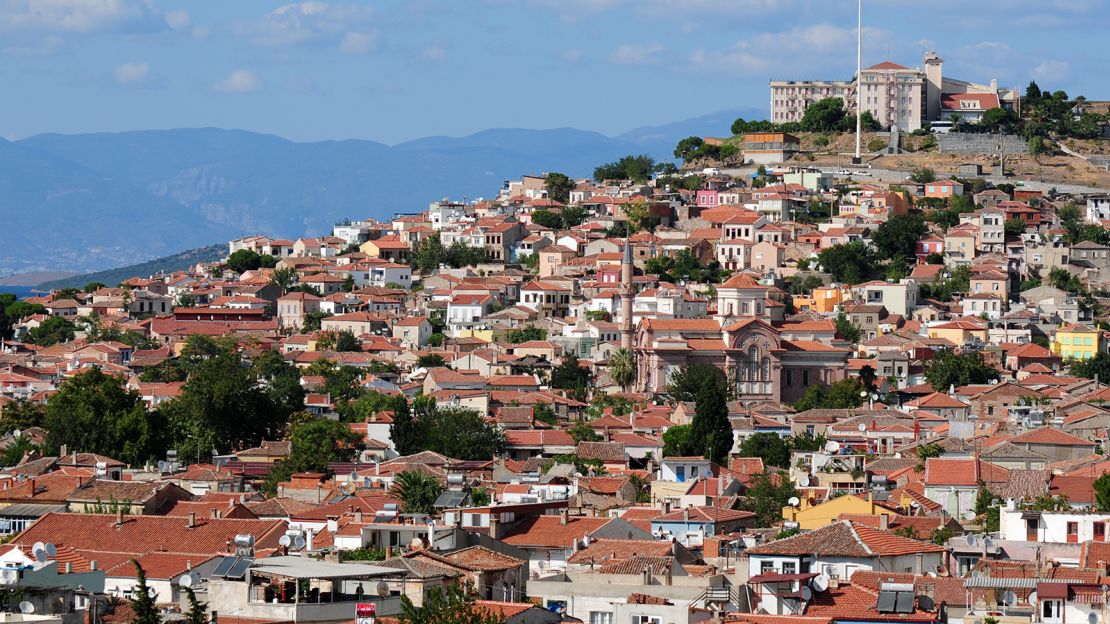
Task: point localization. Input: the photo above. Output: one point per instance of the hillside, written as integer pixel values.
(93, 201)
(165, 264)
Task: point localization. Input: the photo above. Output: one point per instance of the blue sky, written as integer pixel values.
(393, 71)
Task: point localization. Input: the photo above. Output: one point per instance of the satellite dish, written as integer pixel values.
(971, 540)
(26, 607)
(1032, 598)
(1009, 599)
(353, 476)
(51, 550)
(794, 501)
(807, 594)
(820, 582)
(285, 540)
(39, 551)
(17, 433)
(862, 427)
(926, 603)
(969, 515)
(1092, 618)
(185, 581)
(987, 542)
(383, 589)
(298, 542)
(832, 447)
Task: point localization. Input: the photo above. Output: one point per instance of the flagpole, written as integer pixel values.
(859, 79)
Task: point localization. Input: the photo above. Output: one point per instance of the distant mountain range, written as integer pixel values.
(93, 201)
(166, 264)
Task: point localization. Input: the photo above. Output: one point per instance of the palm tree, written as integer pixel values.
(622, 368)
(417, 491)
(284, 278)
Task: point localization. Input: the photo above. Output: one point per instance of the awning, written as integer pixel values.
(772, 577)
(1052, 591)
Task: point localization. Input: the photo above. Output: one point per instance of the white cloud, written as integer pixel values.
(83, 16)
(571, 55)
(239, 81)
(179, 19)
(1051, 70)
(132, 73)
(359, 42)
(824, 47)
(636, 54)
(434, 54)
(308, 22)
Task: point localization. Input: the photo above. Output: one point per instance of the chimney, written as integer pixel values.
(92, 565)
(192, 519)
(119, 516)
(63, 451)
(215, 514)
(32, 482)
(884, 522)
(686, 514)
(919, 564)
(495, 525)
(564, 516)
(69, 567)
(667, 576)
(358, 516)
(308, 539)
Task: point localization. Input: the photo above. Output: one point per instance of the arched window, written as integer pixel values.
(765, 366)
(753, 363)
(742, 369)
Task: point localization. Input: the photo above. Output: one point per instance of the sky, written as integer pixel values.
(398, 70)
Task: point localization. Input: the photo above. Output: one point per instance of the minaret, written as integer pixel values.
(626, 297)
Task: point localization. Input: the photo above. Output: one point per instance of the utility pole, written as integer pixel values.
(859, 79)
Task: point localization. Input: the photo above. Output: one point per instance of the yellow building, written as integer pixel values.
(810, 517)
(960, 331)
(1077, 342)
(823, 300)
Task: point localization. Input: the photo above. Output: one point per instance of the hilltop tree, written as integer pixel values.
(635, 168)
(622, 368)
(825, 115)
(244, 260)
(689, 148)
(547, 219)
(850, 263)
(51, 331)
(569, 375)
(283, 278)
(772, 449)
(429, 255)
(558, 186)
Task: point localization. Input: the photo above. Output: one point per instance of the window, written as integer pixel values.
(766, 566)
(647, 619)
(1100, 531)
(789, 567)
(601, 617)
(1073, 532)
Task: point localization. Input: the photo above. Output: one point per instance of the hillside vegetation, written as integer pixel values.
(165, 264)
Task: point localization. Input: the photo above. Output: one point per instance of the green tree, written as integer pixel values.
(767, 494)
(583, 432)
(1090, 368)
(923, 175)
(573, 216)
(897, 237)
(840, 395)
(431, 360)
(569, 375)
(283, 278)
(851, 263)
(685, 383)
(417, 491)
(547, 219)
(558, 186)
(429, 255)
(1014, 227)
(825, 115)
(677, 441)
(451, 605)
(1101, 486)
(710, 430)
(527, 333)
(950, 369)
(244, 260)
(142, 602)
(198, 611)
(347, 341)
(635, 168)
(770, 447)
(846, 328)
(622, 368)
(689, 148)
(95, 413)
(51, 331)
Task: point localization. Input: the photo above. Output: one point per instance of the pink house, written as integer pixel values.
(944, 189)
(929, 245)
(707, 198)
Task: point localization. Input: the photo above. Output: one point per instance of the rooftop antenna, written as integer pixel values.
(859, 78)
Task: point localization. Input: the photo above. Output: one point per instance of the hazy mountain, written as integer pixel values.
(92, 201)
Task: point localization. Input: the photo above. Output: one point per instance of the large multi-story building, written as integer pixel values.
(894, 94)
